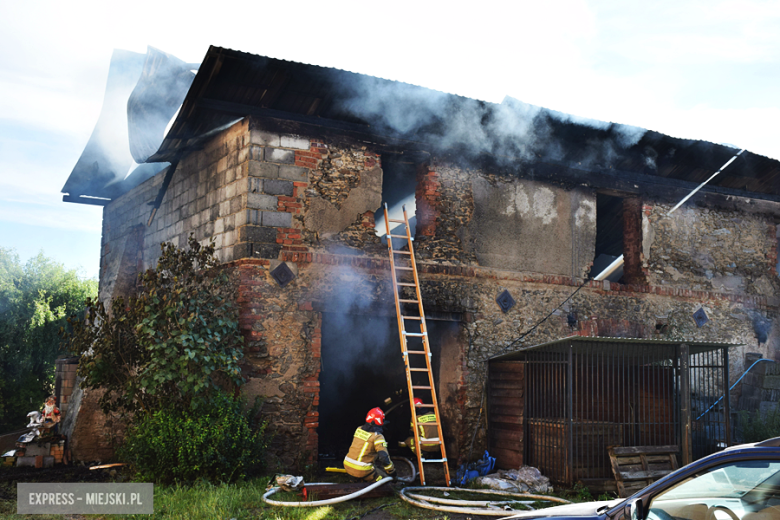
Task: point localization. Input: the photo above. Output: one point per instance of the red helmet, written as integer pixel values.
(418, 401)
(375, 416)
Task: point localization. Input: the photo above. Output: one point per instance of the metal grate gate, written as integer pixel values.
(582, 395)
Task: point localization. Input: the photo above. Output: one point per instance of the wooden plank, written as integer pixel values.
(494, 385)
(506, 444)
(507, 366)
(514, 435)
(506, 376)
(507, 459)
(498, 402)
(506, 426)
(638, 450)
(507, 419)
(506, 392)
(639, 466)
(645, 474)
(509, 410)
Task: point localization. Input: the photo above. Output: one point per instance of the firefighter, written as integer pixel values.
(368, 458)
(429, 433)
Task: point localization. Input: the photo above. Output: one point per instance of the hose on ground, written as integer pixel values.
(317, 503)
(411, 465)
(450, 505)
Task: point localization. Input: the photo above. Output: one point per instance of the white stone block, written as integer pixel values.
(295, 141)
(263, 138)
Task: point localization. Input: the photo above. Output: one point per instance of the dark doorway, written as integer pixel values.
(609, 234)
(361, 367)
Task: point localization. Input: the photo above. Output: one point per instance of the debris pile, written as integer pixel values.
(526, 479)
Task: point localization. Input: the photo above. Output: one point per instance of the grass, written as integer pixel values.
(243, 501)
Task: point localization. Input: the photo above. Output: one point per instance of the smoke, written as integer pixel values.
(106, 158)
(361, 361)
(354, 299)
(143, 92)
(761, 326)
(155, 100)
(511, 132)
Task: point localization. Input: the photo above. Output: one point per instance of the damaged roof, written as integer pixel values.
(512, 137)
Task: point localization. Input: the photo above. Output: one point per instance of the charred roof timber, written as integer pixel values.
(512, 137)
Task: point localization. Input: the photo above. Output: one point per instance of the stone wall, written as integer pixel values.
(479, 218)
(269, 199)
(714, 250)
(760, 388)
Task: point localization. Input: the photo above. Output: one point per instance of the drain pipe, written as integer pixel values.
(615, 265)
(735, 384)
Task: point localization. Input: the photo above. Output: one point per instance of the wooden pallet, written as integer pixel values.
(636, 467)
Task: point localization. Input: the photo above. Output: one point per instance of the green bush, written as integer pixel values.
(216, 443)
(754, 427)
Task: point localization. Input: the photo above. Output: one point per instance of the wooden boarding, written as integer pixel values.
(636, 467)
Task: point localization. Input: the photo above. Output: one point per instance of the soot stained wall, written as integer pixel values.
(309, 203)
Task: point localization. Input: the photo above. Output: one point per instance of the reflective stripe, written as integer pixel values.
(357, 464)
(362, 434)
(380, 443)
(363, 451)
(432, 440)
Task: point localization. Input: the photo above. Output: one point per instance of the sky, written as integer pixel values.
(705, 70)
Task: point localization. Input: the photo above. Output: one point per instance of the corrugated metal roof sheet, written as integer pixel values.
(232, 84)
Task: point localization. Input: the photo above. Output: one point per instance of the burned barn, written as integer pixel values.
(285, 166)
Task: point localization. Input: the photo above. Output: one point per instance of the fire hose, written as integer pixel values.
(345, 498)
(317, 503)
(492, 508)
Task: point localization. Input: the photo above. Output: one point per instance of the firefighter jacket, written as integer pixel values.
(368, 445)
(429, 433)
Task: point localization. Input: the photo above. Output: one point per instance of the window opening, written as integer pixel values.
(609, 235)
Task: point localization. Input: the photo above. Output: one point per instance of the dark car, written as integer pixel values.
(738, 483)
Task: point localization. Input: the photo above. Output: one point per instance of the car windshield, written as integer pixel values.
(731, 480)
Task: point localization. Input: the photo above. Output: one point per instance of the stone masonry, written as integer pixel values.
(267, 198)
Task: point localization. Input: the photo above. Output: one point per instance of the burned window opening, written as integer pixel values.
(399, 181)
(609, 235)
(361, 367)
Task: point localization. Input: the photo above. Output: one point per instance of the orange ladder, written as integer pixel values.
(420, 346)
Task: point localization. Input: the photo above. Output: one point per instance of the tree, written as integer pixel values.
(177, 343)
(35, 300)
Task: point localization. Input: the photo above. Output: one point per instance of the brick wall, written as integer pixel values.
(65, 382)
(633, 271)
(428, 199)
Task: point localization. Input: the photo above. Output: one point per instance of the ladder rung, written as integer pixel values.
(404, 268)
(411, 317)
(408, 301)
(398, 236)
(402, 252)
(404, 284)
(433, 460)
(421, 388)
(415, 334)
(396, 221)
(418, 370)
(415, 352)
